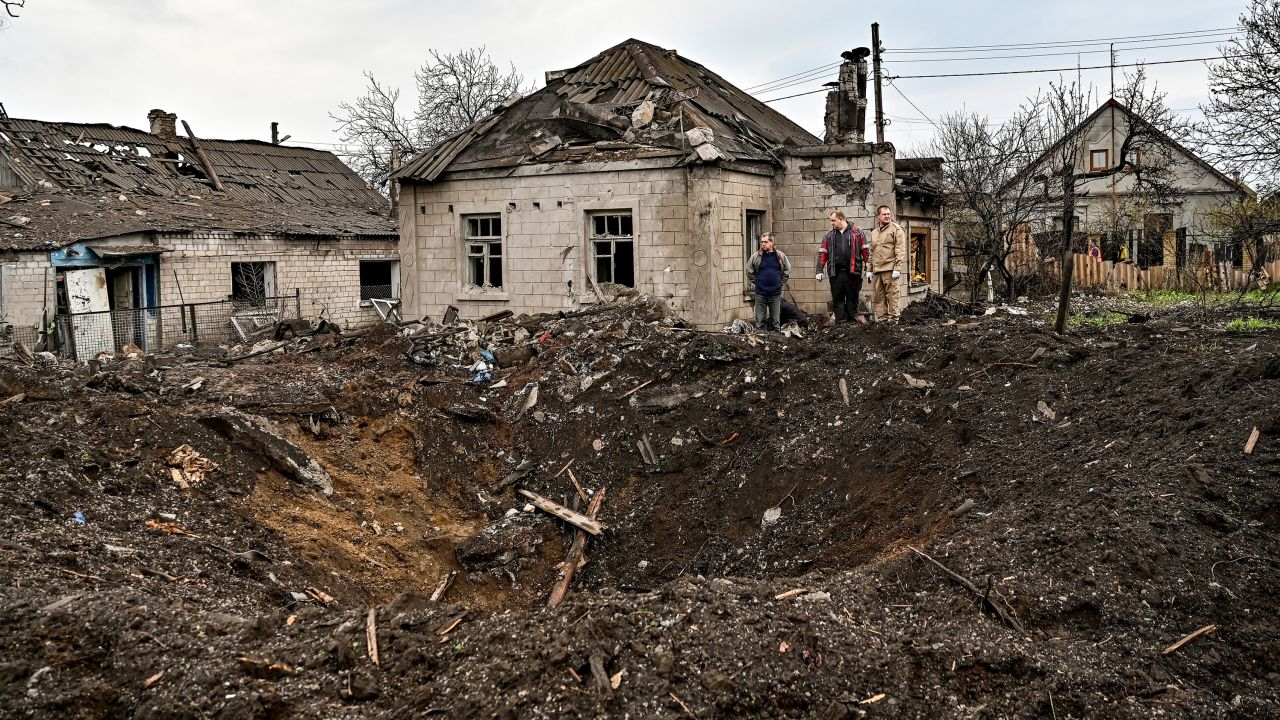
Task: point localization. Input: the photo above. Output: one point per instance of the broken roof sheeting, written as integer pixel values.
(268, 188)
(611, 85)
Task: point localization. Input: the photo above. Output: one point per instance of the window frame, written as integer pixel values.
(1106, 159)
(268, 282)
(751, 241)
(393, 274)
(594, 239)
(926, 232)
(485, 254)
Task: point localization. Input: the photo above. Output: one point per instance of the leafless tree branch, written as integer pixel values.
(454, 91)
(1244, 98)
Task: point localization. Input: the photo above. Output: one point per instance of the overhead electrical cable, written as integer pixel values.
(1063, 43)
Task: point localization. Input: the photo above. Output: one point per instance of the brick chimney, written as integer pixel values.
(846, 116)
(163, 125)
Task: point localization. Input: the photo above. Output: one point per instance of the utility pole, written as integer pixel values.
(875, 68)
(394, 190)
(1112, 56)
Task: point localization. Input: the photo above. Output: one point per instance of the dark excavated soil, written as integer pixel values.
(1093, 487)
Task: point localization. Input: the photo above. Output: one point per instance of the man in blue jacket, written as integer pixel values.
(767, 271)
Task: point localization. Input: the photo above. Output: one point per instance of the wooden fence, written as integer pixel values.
(1107, 275)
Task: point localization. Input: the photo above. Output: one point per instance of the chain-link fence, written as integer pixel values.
(82, 336)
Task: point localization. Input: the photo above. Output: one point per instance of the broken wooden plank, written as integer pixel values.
(320, 595)
(274, 347)
(444, 586)
(1253, 440)
(576, 519)
(371, 634)
(581, 493)
(1189, 637)
(576, 552)
(204, 159)
(844, 391)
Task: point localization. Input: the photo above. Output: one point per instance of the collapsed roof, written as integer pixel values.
(85, 181)
(634, 100)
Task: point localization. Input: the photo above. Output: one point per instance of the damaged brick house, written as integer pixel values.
(639, 168)
(96, 217)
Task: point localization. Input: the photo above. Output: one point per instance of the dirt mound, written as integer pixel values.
(1085, 503)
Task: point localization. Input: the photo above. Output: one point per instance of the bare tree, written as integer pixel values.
(1244, 98)
(1145, 159)
(454, 91)
(11, 8)
(987, 201)
(1251, 227)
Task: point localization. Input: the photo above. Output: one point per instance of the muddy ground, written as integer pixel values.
(765, 559)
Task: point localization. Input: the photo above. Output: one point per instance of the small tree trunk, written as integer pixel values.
(1068, 258)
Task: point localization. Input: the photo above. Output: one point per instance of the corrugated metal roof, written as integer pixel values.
(614, 82)
(267, 188)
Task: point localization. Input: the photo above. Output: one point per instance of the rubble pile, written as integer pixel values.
(962, 516)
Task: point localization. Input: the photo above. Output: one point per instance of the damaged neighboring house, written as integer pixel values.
(95, 217)
(638, 168)
(918, 187)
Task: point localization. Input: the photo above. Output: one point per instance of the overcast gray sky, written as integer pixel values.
(231, 67)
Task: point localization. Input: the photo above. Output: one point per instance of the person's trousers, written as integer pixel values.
(768, 312)
(887, 306)
(845, 287)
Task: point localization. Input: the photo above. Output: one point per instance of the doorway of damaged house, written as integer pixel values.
(92, 280)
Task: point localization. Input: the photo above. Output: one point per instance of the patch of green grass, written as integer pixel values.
(1098, 320)
(1160, 298)
(1252, 324)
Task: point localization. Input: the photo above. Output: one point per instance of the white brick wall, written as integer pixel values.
(803, 201)
(545, 247)
(26, 279)
(688, 226)
(326, 271)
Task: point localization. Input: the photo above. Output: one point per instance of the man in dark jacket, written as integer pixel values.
(767, 271)
(843, 257)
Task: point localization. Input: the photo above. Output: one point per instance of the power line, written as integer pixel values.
(1062, 43)
(804, 80)
(788, 97)
(754, 88)
(923, 114)
(1065, 69)
(1076, 52)
(799, 78)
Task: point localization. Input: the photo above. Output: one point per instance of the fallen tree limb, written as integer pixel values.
(576, 552)
(1005, 617)
(1189, 637)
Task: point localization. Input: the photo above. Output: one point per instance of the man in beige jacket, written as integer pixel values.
(888, 262)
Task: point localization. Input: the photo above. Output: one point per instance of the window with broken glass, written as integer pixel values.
(253, 282)
(379, 279)
(484, 250)
(613, 248)
(752, 229)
